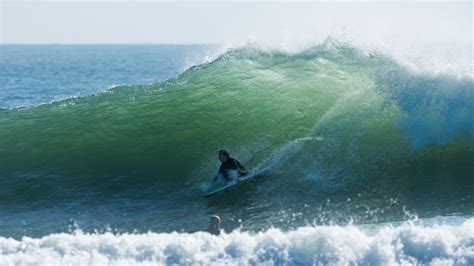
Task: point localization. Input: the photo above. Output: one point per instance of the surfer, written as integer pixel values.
(214, 226)
(230, 167)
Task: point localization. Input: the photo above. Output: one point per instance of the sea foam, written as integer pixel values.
(404, 244)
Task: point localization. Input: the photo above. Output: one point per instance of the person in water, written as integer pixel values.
(230, 167)
(215, 225)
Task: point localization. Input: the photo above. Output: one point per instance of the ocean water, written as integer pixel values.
(365, 160)
(37, 74)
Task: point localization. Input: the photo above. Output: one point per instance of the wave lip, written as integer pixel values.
(406, 244)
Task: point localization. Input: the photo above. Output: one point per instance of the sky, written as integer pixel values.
(282, 23)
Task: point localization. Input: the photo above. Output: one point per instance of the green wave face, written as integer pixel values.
(328, 112)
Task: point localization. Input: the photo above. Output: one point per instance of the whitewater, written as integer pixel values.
(405, 244)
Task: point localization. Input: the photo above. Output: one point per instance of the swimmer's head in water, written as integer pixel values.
(223, 155)
(215, 222)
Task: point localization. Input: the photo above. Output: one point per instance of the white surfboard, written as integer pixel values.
(233, 184)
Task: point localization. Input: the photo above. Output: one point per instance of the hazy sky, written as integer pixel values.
(193, 22)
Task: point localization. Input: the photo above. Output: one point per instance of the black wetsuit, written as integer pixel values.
(229, 165)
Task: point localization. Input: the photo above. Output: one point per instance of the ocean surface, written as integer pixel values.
(106, 151)
(36, 74)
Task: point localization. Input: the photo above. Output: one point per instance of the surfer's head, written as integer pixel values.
(215, 222)
(223, 155)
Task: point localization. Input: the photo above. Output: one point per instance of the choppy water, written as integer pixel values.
(352, 144)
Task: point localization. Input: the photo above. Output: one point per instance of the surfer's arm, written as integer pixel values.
(219, 173)
(241, 167)
(242, 170)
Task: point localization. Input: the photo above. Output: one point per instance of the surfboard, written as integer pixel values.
(233, 184)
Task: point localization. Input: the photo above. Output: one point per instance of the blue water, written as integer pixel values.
(37, 74)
